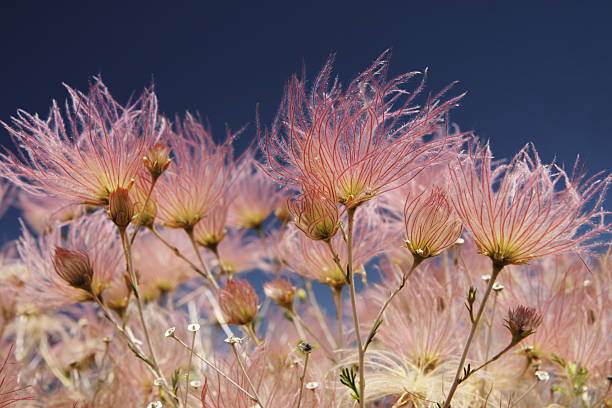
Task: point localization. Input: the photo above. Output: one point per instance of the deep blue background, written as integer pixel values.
(540, 71)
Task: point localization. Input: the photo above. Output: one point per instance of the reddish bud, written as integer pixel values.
(157, 160)
(239, 302)
(120, 207)
(74, 268)
(281, 292)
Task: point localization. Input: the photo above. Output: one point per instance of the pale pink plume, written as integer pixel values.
(85, 154)
(360, 141)
(526, 209)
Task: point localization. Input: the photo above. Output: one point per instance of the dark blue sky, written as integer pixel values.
(541, 72)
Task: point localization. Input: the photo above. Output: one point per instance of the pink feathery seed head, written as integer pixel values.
(188, 190)
(67, 264)
(239, 252)
(281, 291)
(211, 230)
(359, 142)
(41, 213)
(85, 154)
(431, 225)
(315, 214)
(144, 202)
(7, 196)
(525, 209)
(239, 302)
(255, 196)
(522, 321)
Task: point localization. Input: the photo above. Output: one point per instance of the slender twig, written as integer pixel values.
(523, 395)
(319, 314)
(337, 293)
(417, 261)
(193, 337)
(144, 208)
(300, 324)
(214, 367)
(490, 326)
(232, 343)
(134, 284)
(302, 380)
(203, 266)
(176, 251)
(351, 283)
(496, 270)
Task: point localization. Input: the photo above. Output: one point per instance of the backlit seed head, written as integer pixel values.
(281, 292)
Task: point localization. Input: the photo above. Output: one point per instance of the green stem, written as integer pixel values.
(496, 270)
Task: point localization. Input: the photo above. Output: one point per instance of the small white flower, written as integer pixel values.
(586, 283)
(485, 278)
(195, 384)
(313, 385)
(542, 375)
(498, 287)
(155, 404)
(193, 327)
(170, 332)
(159, 382)
(460, 241)
(234, 340)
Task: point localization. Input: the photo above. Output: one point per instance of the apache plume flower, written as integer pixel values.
(525, 209)
(315, 215)
(93, 150)
(192, 187)
(522, 322)
(255, 196)
(67, 265)
(431, 225)
(281, 292)
(239, 302)
(74, 267)
(359, 142)
(210, 231)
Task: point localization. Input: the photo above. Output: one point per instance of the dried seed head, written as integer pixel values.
(312, 385)
(120, 207)
(170, 332)
(304, 347)
(74, 267)
(497, 287)
(193, 327)
(316, 215)
(522, 322)
(157, 160)
(281, 292)
(238, 302)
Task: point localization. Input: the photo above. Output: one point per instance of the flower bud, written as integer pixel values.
(238, 302)
(157, 160)
(431, 225)
(281, 292)
(522, 322)
(120, 207)
(74, 268)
